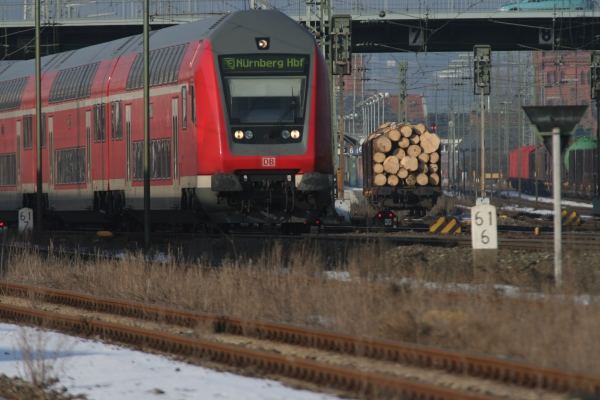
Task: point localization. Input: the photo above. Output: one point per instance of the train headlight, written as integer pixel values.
(249, 134)
(239, 135)
(285, 134)
(295, 134)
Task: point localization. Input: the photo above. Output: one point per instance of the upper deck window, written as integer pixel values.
(73, 83)
(164, 67)
(11, 93)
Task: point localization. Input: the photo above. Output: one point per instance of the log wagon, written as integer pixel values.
(401, 165)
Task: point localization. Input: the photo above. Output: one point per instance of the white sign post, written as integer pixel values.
(484, 227)
(25, 220)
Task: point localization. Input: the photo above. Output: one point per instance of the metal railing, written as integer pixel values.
(169, 11)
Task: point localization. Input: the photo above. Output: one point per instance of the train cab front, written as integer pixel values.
(272, 165)
(276, 139)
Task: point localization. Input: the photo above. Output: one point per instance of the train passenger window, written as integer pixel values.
(193, 104)
(160, 159)
(128, 139)
(50, 127)
(8, 169)
(184, 107)
(27, 131)
(70, 165)
(128, 120)
(99, 123)
(165, 64)
(73, 83)
(117, 124)
(11, 93)
(88, 135)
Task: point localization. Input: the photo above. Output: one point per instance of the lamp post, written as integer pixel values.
(383, 96)
(364, 130)
(368, 117)
(373, 114)
(552, 122)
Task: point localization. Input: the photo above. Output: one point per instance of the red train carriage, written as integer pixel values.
(240, 125)
(530, 165)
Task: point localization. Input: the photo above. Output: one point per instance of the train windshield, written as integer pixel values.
(266, 100)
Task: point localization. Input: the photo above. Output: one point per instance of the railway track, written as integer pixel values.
(520, 238)
(363, 383)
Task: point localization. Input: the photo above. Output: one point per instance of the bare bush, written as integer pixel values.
(39, 364)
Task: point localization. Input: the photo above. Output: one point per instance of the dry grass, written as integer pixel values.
(366, 299)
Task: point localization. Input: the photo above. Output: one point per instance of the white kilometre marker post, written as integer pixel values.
(484, 226)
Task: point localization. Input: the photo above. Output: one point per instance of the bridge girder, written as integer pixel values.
(503, 31)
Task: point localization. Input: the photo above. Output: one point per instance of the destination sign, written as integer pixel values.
(268, 63)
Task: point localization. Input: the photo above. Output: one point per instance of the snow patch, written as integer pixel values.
(107, 372)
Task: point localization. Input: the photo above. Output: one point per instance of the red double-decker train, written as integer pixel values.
(240, 127)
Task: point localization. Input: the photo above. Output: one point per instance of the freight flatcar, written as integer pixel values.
(580, 167)
(240, 128)
(402, 191)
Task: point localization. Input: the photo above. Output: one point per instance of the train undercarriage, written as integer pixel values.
(246, 198)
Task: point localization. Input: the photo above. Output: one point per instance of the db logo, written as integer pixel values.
(268, 161)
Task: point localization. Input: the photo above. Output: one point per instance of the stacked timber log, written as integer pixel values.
(405, 155)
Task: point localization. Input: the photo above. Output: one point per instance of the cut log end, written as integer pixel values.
(406, 131)
(414, 150)
(422, 179)
(382, 144)
(394, 135)
(393, 180)
(380, 180)
(404, 143)
(410, 163)
(391, 165)
(420, 128)
(399, 153)
(378, 157)
(430, 142)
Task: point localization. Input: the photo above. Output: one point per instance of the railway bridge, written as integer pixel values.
(377, 26)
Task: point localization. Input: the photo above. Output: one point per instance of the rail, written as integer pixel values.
(368, 384)
(452, 362)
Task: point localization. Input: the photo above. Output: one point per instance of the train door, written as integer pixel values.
(19, 129)
(128, 142)
(175, 131)
(88, 138)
